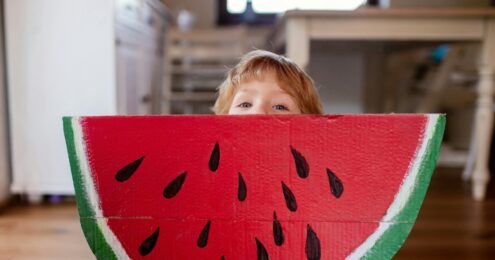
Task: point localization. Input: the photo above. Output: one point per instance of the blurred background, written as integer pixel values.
(140, 57)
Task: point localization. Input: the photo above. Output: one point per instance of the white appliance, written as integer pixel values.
(64, 58)
(61, 61)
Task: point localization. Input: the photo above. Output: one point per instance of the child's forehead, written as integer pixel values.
(264, 75)
(255, 87)
(270, 76)
(258, 88)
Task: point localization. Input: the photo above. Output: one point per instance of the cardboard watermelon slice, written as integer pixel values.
(251, 187)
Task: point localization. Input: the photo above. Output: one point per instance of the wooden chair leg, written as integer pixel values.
(483, 127)
(469, 167)
(484, 112)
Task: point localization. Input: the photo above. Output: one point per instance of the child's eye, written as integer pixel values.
(280, 107)
(244, 105)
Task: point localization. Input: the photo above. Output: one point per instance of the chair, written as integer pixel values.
(197, 63)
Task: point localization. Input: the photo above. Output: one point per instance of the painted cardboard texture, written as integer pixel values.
(251, 187)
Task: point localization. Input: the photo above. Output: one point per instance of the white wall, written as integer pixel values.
(61, 61)
(5, 174)
(4, 144)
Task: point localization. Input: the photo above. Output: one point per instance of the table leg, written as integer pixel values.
(484, 113)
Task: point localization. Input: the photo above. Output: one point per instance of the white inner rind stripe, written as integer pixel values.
(404, 193)
(90, 189)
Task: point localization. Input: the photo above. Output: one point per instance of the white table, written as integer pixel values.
(297, 28)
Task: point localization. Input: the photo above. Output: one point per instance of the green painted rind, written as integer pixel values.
(391, 241)
(83, 205)
(101, 249)
(428, 164)
(393, 238)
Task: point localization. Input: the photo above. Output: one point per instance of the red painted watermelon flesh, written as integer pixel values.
(256, 187)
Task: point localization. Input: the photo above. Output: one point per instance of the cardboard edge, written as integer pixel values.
(92, 231)
(397, 228)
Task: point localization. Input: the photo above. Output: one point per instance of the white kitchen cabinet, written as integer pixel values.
(78, 57)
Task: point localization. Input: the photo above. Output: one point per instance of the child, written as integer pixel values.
(267, 83)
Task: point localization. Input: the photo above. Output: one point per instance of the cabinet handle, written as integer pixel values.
(151, 21)
(146, 99)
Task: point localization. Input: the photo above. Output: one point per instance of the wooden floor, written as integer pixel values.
(42, 232)
(450, 226)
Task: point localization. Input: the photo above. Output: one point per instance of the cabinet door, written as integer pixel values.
(127, 78)
(139, 57)
(134, 72)
(146, 86)
(157, 84)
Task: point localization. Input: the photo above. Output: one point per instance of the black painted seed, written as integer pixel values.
(214, 158)
(149, 243)
(312, 244)
(125, 173)
(290, 199)
(302, 166)
(174, 186)
(336, 185)
(261, 250)
(278, 234)
(203, 236)
(222, 258)
(241, 189)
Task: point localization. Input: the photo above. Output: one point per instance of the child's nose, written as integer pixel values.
(260, 110)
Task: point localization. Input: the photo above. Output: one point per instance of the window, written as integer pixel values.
(264, 11)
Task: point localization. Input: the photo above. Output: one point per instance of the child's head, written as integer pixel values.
(267, 83)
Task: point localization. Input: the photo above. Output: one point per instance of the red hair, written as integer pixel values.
(254, 65)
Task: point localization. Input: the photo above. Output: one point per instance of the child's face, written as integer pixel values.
(264, 96)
